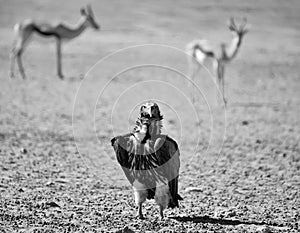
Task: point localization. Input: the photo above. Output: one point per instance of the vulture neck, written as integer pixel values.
(155, 128)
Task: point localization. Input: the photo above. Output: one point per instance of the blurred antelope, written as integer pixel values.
(200, 50)
(25, 29)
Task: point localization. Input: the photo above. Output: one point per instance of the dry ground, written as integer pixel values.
(54, 180)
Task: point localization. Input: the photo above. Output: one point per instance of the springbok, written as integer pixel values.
(200, 50)
(61, 32)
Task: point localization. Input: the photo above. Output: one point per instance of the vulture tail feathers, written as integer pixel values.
(179, 197)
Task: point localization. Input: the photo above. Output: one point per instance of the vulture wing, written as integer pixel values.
(167, 152)
(149, 163)
(121, 148)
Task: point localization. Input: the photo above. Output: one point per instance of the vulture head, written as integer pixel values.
(150, 119)
(151, 111)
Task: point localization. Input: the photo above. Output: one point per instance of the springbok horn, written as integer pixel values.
(89, 9)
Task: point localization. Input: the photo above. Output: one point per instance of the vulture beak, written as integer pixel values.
(149, 111)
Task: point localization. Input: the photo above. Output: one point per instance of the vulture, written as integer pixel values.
(150, 160)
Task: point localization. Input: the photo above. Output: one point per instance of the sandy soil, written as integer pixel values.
(240, 166)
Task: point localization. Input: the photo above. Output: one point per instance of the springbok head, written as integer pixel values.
(240, 30)
(90, 17)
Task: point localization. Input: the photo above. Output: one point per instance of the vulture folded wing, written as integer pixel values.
(121, 148)
(138, 161)
(156, 161)
(167, 152)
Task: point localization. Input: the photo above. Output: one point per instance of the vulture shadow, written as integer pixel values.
(207, 219)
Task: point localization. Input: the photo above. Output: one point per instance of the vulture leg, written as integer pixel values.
(140, 198)
(161, 212)
(139, 213)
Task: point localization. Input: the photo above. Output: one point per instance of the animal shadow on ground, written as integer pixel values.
(207, 219)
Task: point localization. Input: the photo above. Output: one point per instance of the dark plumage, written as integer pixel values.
(150, 160)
